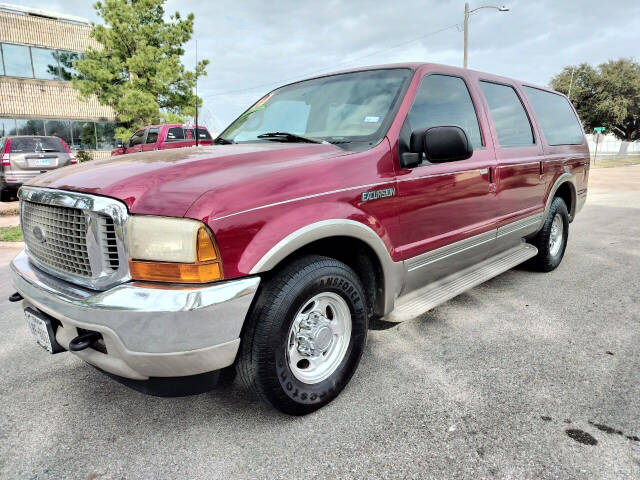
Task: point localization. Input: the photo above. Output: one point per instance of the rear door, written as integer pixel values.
(446, 210)
(174, 138)
(136, 141)
(519, 185)
(151, 140)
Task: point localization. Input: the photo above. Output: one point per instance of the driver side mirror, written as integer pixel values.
(119, 143)
(439, 145)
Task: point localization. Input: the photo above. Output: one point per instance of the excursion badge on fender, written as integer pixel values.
(378, 194)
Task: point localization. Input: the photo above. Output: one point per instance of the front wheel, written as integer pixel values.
(305, 335)
(551, 240)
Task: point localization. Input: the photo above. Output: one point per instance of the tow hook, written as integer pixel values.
(84, 341)
(16, 297)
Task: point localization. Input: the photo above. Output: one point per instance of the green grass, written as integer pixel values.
(607, 161)
(10, 234)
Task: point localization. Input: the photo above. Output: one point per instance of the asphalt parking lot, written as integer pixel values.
(527, 376)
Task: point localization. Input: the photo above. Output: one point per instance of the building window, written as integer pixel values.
(83, 136)
(30, 127)
(45, 63)
(37, 62)
(67, 68)
(7, 127)
(17, 60)
(59, 128)
(105, 135)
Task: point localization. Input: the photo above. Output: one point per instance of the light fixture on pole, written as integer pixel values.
(467, 13)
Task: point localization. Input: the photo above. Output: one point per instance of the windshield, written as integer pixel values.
(347, 108)
(36, 144)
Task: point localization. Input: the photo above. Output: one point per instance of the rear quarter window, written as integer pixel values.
(560, 125)
(203, 134)
(36, 144)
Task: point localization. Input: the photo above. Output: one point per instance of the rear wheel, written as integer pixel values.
(551, 240)
(305, 335)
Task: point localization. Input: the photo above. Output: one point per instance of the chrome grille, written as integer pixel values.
(75, 236)
(62, 243)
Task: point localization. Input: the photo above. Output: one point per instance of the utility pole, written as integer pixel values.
(571, 83)
(466, 32)
(195, 128)
(467, 14)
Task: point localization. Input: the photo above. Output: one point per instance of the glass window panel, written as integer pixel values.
(17, 60)
(204, 134)
(106, 133)
(59, 128)
(559, 124)
(136, 138)
(36, 144)
(30, 127)
(45, 63)
(175, 134)
(83, 136)
(443, 100)
(510, 119)
(152, 135)
(7, 127)
(1, 63)
(67, 69)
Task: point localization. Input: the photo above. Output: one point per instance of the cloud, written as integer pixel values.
(264, 44)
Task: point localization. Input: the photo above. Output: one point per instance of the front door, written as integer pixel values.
(446, 210)
(135, 142)
(151, 142)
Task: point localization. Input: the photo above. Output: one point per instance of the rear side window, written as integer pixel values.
(443, 100)
(175, 134)
(559, 124)
(203, 134)
(510, 119)
(188, 134)
(152, 136)
(36, 144)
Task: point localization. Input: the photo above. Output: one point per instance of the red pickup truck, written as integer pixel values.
(377, 192)
(162, 137)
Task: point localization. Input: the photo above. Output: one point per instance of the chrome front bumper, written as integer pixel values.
(149, 330)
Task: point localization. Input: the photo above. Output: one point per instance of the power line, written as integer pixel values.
(278, 82)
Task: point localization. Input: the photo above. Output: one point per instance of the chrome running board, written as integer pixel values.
(424, 299)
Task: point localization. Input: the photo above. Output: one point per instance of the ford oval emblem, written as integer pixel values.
(38, 232)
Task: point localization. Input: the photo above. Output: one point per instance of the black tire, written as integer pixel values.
(262, 364)
(546, 260)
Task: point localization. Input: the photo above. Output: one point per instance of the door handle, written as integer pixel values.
(492, 179)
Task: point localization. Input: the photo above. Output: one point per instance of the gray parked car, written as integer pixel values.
(24, 157)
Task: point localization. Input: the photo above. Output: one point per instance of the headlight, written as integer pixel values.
(177, 250)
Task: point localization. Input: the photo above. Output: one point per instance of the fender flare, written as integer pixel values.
(393, 272)
(561, 180)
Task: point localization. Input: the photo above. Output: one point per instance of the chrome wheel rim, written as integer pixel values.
(555, 237)
(319, 337)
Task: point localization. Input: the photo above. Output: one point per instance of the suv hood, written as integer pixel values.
(168, 182)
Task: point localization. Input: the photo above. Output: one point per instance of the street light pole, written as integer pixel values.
(467, 14)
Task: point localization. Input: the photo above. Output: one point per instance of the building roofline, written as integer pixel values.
(36, 12)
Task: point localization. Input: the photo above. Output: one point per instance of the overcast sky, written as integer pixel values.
(254, 46)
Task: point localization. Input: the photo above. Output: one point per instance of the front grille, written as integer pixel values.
(56, 237)
(109, 243)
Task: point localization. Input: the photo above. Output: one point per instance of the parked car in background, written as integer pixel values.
(25, 157)
(162, 137)
(378, 192)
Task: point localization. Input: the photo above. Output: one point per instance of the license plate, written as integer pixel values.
(39, 329)
(42, 162)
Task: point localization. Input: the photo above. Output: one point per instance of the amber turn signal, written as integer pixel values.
(205, 248)
(175, 272)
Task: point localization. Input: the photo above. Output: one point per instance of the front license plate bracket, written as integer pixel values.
(33, 316)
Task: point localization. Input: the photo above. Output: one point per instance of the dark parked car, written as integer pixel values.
(25, 157)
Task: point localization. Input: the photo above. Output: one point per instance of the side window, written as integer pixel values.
(175, 134)
(509, 117)
(136, 138)
(203, 134)
(188, 134)
(152, 136)
(443, 100)
(559, 124)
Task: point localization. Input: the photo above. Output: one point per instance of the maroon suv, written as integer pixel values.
(377, 192)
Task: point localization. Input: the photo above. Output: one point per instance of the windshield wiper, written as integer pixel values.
(288, 137)
(223, 141)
